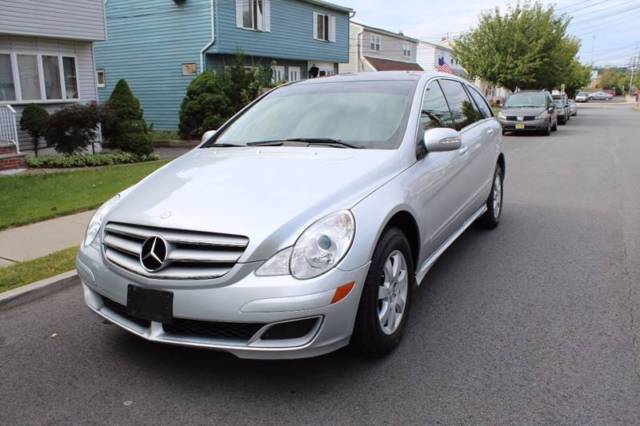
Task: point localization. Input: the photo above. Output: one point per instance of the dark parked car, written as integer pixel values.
(529, 111)
(562, 106)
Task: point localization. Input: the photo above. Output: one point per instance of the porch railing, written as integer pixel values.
(8, 126)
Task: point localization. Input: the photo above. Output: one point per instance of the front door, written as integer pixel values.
(294, 73)
(277, 73)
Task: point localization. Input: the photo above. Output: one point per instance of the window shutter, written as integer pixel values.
(315, 25)
(239, 13)
(332, 28)
(267, 15)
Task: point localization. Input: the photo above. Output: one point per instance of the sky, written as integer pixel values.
(609, 30)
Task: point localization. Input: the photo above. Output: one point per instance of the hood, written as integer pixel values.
(521, 112)
(261, 193)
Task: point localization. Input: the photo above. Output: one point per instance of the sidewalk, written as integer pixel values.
(42, 238)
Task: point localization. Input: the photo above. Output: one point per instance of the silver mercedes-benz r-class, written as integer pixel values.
(305, 222)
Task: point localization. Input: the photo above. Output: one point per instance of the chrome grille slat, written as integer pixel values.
(190, 254)
(176, 236)
(122, 244)
(186, 255)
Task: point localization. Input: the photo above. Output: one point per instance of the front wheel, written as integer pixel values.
(547, 131)
(386, 296)
(491, 218)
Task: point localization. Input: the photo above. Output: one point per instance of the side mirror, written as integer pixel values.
(551, 108)
(442, 139)
(207, 135)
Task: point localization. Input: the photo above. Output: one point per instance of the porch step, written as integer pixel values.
(7, 148)
(12, 161)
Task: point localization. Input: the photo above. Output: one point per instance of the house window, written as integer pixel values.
(324, 27)
(33, 77)
(51, 70)
(253, 14)
(374, 42)
(406, 49)
(29, 77)
(101, 78)
(70, 77)
(7, 87)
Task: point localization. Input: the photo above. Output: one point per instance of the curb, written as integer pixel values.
(30, 292)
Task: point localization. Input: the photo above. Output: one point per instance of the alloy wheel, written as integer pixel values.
(392, 292)
(497, 196)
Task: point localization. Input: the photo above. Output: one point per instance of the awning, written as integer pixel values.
(389, 65)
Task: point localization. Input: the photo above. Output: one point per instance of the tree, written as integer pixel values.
(214, 97)
(73, 128)
(34, 120)
(577, 77)
(614, 79)
(526, 48)
(123, 121)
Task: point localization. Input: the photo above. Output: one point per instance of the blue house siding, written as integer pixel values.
(147, 43)
(291, 35)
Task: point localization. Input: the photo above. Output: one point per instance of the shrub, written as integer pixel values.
(34, 120)
(123, 122)
(84, 160)
(71, 129)
(214, 97)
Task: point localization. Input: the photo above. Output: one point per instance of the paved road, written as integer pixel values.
(536, 322)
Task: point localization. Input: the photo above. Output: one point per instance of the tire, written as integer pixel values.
(491, 218)
(562, 121)
(547, 131)
(555, 126)
(374, 336)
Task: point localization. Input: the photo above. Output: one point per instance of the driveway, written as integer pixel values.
(537, 322)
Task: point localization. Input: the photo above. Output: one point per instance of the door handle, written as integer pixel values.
(463, 150)
(490, 131)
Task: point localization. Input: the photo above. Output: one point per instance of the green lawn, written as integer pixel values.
(32, 198)
(38, 269)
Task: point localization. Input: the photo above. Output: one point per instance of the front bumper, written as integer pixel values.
(524, 126)
(250, 300)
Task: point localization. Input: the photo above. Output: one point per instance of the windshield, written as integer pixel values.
(558, 102)
(526, 100)
(369, 114)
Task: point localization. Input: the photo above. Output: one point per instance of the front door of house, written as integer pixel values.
(294, 73)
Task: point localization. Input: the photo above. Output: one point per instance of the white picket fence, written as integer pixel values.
(8, 126)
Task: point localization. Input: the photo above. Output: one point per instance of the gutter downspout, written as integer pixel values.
(213, 39)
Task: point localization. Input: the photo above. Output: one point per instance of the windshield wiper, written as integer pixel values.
(310, 141)
(221, 145)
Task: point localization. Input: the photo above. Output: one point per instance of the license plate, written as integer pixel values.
(150, 305)
(519, 125)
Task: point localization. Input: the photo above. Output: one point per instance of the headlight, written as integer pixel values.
(96, 221)
(543, 114)
(318, 250)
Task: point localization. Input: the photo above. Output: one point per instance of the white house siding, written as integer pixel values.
(69, 19)
(83, 52)
(390, 47)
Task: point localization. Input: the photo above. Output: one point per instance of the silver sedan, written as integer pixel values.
(304, 223)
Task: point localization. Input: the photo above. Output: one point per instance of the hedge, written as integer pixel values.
(85, 160)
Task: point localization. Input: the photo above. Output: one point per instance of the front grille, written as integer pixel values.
(214, 330)
(190, 254)
(122, 311)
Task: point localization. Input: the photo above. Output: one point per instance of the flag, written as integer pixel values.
(444, 68)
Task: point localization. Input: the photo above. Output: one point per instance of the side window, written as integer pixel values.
(480, 102)
(462, 108)
(435, 111)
